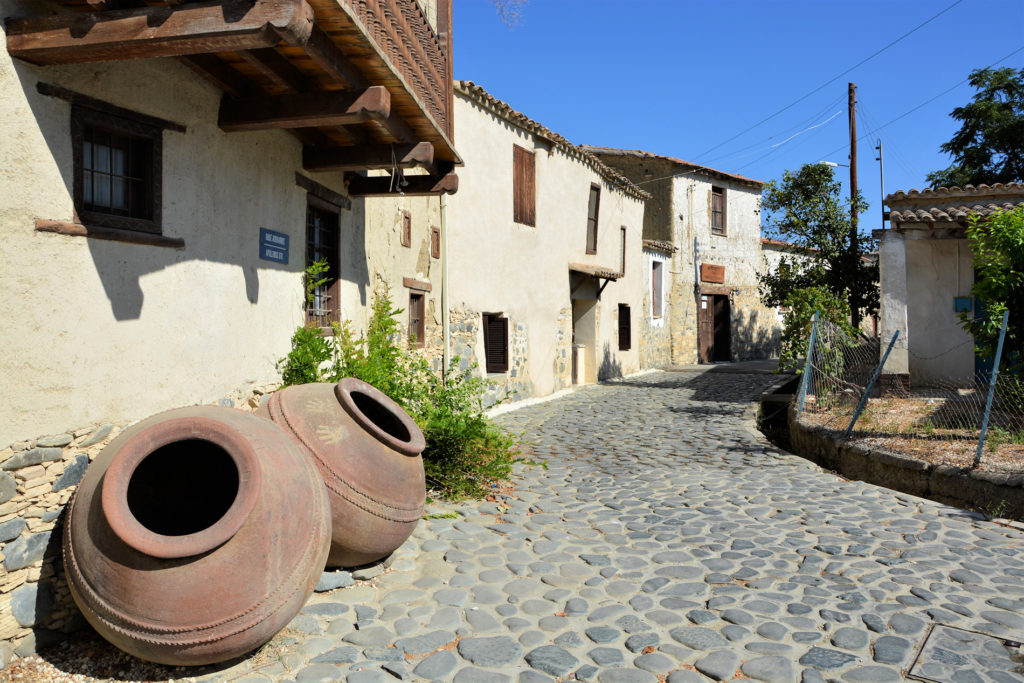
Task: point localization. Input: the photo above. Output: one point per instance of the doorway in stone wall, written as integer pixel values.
(714, 323)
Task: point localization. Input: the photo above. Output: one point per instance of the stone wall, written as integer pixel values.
(972, 489)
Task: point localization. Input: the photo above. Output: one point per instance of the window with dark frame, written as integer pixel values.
(406, 229)
(435, 241)
(417, 330)
(524, 186)
(495, 342)
(322, 235)
(718, 225)
(656, 288)
(117, 170)
(625, 328)
(592, 207)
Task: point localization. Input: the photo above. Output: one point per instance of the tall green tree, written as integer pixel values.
(989, 147)
(807, 210)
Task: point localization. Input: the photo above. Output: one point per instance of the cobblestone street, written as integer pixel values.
(666, 540)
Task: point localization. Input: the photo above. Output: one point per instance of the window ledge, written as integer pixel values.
(104, 233)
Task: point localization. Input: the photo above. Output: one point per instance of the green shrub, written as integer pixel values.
(796, 331)
(465, 452)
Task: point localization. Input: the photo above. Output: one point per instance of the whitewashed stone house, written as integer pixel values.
(161, 193)
(546, 279)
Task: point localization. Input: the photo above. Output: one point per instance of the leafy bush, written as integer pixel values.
(465, 453)
(796, 331)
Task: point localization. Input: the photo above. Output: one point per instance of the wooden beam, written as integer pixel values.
(219, 73)
(276, 68)
(416, 185)
(366, 157)
(329, 57)
(163, 31)
(308, 110)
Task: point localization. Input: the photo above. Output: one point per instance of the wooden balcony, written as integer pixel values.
(365, 84)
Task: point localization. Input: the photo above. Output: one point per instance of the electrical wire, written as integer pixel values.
(831, 80)
(928, 101)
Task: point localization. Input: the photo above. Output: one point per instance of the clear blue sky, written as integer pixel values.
(681, 77)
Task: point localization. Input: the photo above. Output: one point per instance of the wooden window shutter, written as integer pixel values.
(625, 326)
(718, 218)
(524, 186)
(496, 343)
(406, 229)
(435, 241)
(592, 209)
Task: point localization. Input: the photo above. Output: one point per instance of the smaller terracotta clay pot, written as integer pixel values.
(368, 451)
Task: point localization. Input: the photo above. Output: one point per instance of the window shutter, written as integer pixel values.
(496, 343)
(718, 211)
(656, 287)
(524, 188)
(592, 209)
(625, 326)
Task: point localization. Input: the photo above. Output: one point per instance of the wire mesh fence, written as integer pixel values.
(939, 419)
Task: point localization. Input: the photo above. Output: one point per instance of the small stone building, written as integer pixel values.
(703, 235)
(926, 272)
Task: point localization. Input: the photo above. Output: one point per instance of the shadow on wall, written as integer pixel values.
(754, 337)
(233, 239)
(610, 366)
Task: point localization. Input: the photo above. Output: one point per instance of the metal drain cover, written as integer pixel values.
(955, 655)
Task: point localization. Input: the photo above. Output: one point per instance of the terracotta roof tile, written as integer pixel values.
(660, 245)
(476, 93)
(596, 271)
(953, 204)
(679, 162)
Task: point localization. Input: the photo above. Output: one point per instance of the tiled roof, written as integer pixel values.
(476, 93)
(678, 162)
(953, 204)
(660, 245)
(596, 271)
(788, 246)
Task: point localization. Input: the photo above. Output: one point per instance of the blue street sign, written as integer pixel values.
(273, 246)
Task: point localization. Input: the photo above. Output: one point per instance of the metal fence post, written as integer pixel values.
(991, 388)
(807, 366)
(871, 385)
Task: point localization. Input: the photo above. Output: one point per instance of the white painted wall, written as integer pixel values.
(938, 270)
(499, 266)
(97, 331)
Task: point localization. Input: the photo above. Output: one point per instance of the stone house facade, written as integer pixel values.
(162, 193)
(711, 220)
(546, 260)
(926, 272)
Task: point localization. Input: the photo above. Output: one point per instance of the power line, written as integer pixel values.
(831, 80)
(928, 101)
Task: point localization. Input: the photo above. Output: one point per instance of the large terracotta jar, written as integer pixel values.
(196, 535)
(368, 450)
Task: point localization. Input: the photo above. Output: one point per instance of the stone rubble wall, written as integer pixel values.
(37, 479)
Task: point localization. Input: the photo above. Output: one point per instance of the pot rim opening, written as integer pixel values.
(344, 391)
(114, 494)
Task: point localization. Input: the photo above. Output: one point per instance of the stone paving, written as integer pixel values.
(666, 540)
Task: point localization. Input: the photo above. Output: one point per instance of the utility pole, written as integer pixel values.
(881, 180)
(854, 251)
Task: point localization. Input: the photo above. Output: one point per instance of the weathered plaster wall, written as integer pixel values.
(101, 331)
(937, 271)
(522, 272)
(655, 333)
(387, 263)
